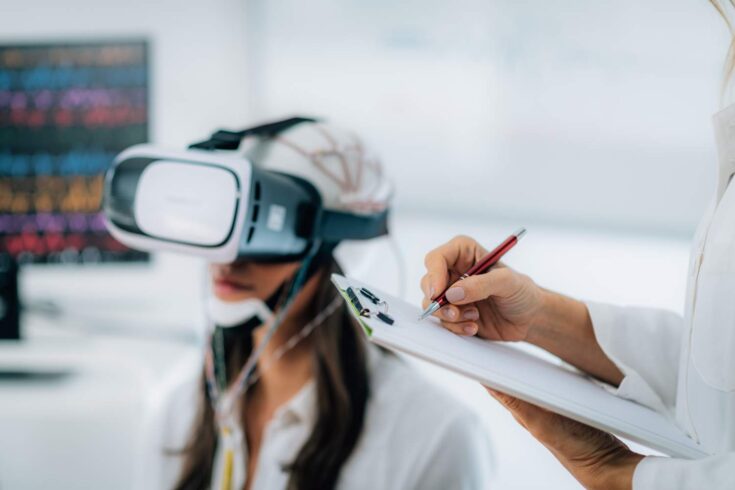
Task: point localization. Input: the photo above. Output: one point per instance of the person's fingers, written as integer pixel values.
(551, 429)
(460, 253)
(437, 275)
(470, 313)
(459, 320)
(427, 288)
(453, 313)
(587, 453)
(496, 282)
(533, 418)
(461, 328)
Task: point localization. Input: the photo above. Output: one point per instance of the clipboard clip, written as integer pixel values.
(366, 312)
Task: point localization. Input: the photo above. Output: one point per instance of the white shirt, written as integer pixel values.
(414, 437)
(686, 366)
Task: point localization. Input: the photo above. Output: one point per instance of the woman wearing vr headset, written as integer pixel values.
(294, 397)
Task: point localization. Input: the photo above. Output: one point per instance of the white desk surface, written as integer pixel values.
(89, 428)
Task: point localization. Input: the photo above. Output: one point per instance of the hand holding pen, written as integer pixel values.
(473, 294)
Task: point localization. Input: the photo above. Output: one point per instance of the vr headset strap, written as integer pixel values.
(230, 140)
(336, 226)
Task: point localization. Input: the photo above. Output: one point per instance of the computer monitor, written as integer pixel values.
(66, 109)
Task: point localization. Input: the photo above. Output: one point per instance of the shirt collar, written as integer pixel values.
(301, 409)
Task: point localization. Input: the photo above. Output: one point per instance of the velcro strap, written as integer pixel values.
(224, 139)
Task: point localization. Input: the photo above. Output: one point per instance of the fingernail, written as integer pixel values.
(451, 313)
(455, 294)
(469, 330)
(471, 315)
(431, 292)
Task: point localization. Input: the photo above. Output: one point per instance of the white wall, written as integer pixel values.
(199, 83)
(586, 113)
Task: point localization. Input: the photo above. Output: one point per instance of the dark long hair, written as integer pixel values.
(342, 384)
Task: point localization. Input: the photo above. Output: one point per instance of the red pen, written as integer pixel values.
(480, 267)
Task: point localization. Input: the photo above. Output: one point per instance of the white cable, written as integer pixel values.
(230, 396)
(400, 265)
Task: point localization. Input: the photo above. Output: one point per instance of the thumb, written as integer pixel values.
(496, 282)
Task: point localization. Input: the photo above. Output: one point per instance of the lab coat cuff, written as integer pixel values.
(647, 475)
(661, 473)
(711, 473)
(606, 321)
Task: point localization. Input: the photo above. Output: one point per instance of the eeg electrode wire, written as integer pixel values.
(219, 392)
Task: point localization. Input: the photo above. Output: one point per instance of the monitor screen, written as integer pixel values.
(66, 110)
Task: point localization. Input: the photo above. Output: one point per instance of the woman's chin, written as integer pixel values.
(228, 293)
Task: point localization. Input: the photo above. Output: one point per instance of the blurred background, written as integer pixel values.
(586, 122)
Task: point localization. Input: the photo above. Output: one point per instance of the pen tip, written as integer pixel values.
(429, 311)
(519, 233)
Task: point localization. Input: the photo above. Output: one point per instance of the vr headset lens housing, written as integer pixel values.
(186, 203)
(220, 207)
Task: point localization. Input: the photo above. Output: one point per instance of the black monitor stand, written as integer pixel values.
(9, 299)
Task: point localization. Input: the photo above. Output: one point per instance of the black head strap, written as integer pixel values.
(230, 140)
(338, 225)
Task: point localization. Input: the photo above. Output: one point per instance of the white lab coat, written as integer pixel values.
(685, 367)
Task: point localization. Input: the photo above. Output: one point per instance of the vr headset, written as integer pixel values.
(222, 207)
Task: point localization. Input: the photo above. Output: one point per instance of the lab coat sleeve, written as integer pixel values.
(645, 344)
(712, 473)
(459, 457)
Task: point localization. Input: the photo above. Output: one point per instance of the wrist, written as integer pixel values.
(563, 327)
(558, 317)
(546, 316)
(619, 475)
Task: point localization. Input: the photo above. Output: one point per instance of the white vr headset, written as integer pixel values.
(222, 207)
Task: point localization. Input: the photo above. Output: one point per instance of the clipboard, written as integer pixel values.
(508, 368)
